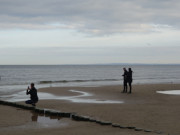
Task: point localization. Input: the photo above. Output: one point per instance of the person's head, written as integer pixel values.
(130, 70)
(124, 69)
(32, 85)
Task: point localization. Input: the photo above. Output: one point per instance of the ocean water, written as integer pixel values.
(16, 78)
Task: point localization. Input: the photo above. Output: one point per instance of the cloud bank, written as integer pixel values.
(101, 17)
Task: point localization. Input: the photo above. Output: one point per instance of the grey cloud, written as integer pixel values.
(89, 16)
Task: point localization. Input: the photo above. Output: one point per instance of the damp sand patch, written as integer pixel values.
(82, 97)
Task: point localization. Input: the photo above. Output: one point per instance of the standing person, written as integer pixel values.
(33, 95)
(124, 81)
(129, 79)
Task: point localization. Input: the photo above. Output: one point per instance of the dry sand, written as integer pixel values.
(144, 108)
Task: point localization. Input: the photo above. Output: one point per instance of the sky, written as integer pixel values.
(89, 32)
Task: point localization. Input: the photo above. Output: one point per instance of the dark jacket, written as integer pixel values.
(129, 76)
(125, 75)
(33, 94)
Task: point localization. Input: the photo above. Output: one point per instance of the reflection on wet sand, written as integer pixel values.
(38, 121)
(34, 117)
(45, 119)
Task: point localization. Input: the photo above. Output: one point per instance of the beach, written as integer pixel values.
(144, 109)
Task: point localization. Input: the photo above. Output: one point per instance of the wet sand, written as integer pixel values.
(144, 108)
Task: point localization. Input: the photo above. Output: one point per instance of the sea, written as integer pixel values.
(16, 78)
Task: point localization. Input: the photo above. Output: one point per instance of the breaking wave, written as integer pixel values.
(70, 81)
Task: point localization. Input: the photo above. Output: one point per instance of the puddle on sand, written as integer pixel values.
(39, 121)
(43, 120)
(170, 92)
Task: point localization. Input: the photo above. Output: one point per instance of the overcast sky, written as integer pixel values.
(89, 31)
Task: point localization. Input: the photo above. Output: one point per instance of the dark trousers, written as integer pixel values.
(31, 102)
(130, 87)
(125, 86)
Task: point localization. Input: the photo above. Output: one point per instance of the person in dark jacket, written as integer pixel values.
(124, 81)
(129, 79)
(33, 95)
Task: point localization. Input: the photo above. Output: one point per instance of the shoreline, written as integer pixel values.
(144, 108)
(18, 96)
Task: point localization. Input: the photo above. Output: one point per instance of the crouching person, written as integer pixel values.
(33, 95)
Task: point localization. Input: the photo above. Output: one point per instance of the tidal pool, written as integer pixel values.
(170, 92)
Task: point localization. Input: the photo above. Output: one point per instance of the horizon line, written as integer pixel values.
(91, 64)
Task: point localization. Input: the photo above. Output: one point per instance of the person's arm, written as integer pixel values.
(28, 91)
(123, 74)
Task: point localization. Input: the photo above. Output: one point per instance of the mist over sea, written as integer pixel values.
(15, 78)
